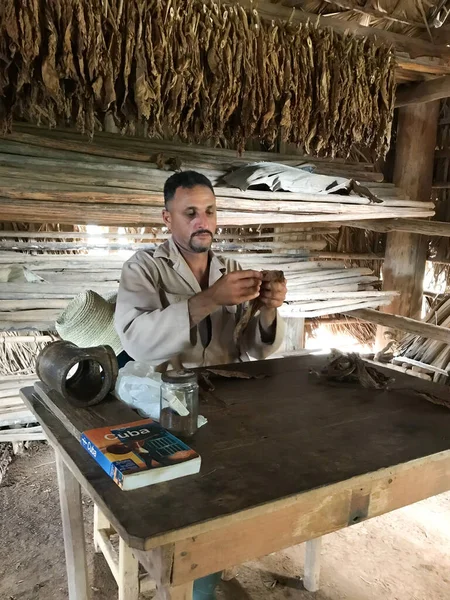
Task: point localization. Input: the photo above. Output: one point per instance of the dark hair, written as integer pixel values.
(184, 179)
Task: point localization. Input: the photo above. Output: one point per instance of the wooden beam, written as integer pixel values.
(405, 255)
(432, 332)
(402, 43)
(425, 91)
(423, 66)
(421, 226)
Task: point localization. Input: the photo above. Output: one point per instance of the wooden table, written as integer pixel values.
(285, 459)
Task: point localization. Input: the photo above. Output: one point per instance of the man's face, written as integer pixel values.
(191, 217)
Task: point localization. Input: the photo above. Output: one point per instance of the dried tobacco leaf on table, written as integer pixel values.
(350, 368)
(206, 382)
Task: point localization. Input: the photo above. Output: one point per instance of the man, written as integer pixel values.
(184, 301)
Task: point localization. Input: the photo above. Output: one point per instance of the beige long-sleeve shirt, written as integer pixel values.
(152, 315)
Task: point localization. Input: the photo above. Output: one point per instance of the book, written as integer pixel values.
(140, 453)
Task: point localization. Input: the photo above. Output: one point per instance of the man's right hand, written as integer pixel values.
(236, 287)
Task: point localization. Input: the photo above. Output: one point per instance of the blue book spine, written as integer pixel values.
(98, 456)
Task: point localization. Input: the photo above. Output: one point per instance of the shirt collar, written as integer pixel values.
(169, 251)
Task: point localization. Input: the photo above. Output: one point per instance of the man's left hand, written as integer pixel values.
(272, 294)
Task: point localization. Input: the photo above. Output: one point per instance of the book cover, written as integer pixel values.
(140, 453)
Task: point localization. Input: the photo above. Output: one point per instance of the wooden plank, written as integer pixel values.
(124, 215)
(28, 326)
(12, 417)
(19, 305)
(10, 401)
(434, 332)
(428, 228)
(218, 247)
(423, 92)
(69, 139)
(157, 236)
(418, 363)
(101, 523)
(25, 434)
(429, 66)
(311, 577)
(309, 516)
(20, 316)
(227, 199)
(73, 529)
(109, 552)
(316, 421)
(110, 411)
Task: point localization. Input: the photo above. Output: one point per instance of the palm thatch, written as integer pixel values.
(362, 332)
(352, 240)
(19, 358)
(410, 17)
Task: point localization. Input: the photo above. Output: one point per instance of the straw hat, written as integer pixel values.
(88, 320)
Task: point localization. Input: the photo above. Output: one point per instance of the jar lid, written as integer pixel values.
(181, 376)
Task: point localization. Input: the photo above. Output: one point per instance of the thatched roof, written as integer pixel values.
(416, 18)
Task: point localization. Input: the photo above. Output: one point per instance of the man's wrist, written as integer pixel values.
(268, 324)
(200, 306)
(267, 317)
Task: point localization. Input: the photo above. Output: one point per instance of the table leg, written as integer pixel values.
(128, 573)
(73, 530)
(100, 522)
(159, 565)
(177, 592)
(312, 565)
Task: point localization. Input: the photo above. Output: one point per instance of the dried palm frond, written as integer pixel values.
(363, 332)
(19, 358)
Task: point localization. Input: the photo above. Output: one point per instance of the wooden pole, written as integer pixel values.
(405, 256)
(433, 332)
(425, 91)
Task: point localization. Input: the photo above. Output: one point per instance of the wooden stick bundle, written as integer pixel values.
(314, 288)
(51, 175)
(426, 353)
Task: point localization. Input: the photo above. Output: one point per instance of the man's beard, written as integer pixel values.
(200, 248)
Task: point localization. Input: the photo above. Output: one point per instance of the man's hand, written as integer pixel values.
(273, 294)
(236, 287)
(229, 290)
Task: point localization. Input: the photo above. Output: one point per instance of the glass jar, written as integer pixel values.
(179, 402)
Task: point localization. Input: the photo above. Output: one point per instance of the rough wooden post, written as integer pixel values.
(405, 257)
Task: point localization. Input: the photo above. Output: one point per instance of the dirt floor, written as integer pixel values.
(401, 556)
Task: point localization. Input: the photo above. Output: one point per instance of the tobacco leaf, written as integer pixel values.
(198, 71)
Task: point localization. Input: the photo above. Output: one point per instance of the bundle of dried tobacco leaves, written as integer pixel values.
(350, 368)
(195, 70)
